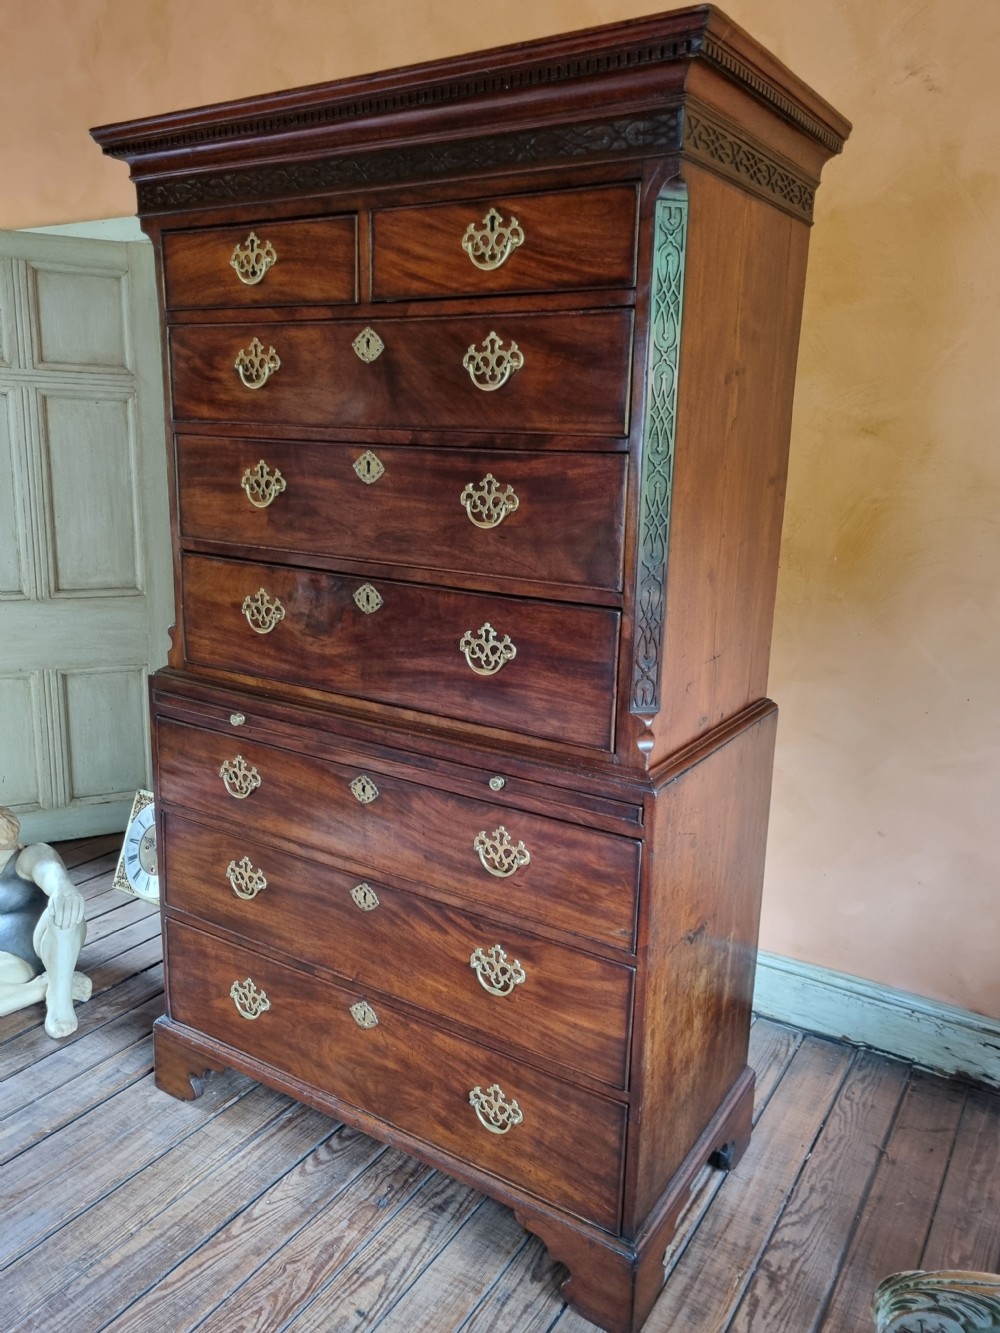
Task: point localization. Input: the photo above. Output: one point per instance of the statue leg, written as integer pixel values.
(59, 948)
(19, 986)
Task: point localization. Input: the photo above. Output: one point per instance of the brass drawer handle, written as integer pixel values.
(250, 1001)
(239, 778)
(255, 366)
(495, 1112)
(368, 346)
(369, 467)
(491, 368)
(486, 505)
(491, 244)
(364, 1015)
(484, 652)
(245, 879)
(494, 973)
(262, 611)
(262, 485)
(252, 259)
(367, 599)
(499, 854)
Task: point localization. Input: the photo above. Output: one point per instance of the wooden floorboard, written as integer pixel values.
(126, 1210)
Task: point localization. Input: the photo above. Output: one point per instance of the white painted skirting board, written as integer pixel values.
(936, 1036)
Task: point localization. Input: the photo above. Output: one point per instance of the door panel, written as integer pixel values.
(85, 582)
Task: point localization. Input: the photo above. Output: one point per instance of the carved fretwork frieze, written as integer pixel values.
(666, 297)
(717, 145)
(659, 133)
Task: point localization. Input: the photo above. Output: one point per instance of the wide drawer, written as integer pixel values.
(512, 987)
(486, 853)
(405, 1071)
(566, 372)
(552, 666)
(554, 518)
(268, 263)
(506, 243)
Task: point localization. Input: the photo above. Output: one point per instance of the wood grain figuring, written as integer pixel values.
(733, 422)
(404, 1071)
(407, 652)
(327, 636)
(315, 262)
(566, 532)
(571, 1009)
(264, 1210)
(574, 377)
(575, 238)
(577, 879)
(699, 928)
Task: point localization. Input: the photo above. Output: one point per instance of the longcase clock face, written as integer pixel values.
(137, 870)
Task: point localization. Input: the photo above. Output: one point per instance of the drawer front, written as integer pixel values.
(552, 666)
(507, 243)
(572, 375)
(262, 264)
(524, 992)
(555, 518)
(410, 1074)
(537, 869)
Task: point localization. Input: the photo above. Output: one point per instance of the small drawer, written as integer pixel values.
(538, 668)
(262, 264)
(413, 1076)
(506, 243)
(496, 371)
(486, 853)
(511, 987)
(553, 518)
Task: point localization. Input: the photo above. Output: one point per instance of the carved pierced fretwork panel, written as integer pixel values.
(658, 450)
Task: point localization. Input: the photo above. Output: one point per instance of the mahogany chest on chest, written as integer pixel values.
(480, 378)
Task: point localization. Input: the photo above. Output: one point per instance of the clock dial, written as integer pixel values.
(137, 867)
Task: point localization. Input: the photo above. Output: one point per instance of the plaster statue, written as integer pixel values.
(42, 929)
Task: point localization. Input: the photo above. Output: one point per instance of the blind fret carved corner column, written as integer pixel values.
(480, 384)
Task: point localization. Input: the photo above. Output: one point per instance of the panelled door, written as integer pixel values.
(85, 580)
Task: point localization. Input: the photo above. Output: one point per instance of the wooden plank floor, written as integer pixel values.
(124, 1209)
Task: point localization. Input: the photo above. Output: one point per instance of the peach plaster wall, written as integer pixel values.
(882, 857)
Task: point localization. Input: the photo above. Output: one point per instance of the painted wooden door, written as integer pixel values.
(85, 583)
